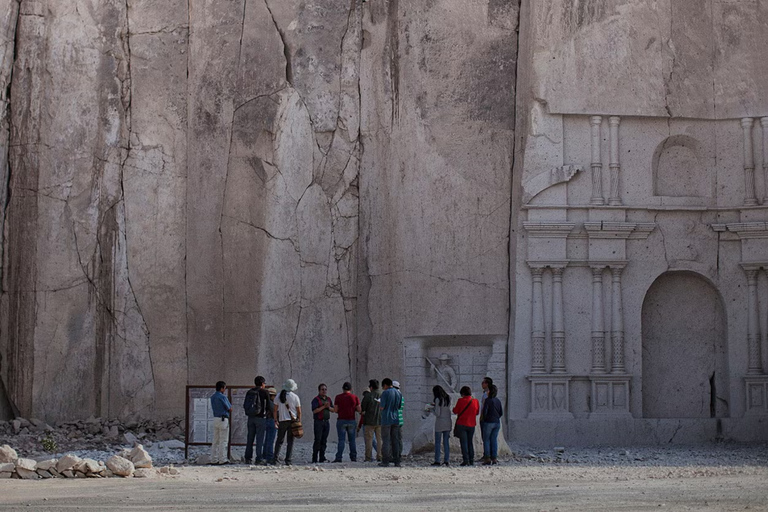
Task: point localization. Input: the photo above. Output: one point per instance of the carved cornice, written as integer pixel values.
(607, 230)
(548, 229)
(754, 266)
(744, 230)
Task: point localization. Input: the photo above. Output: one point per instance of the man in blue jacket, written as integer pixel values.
(221, 410)
(391, 400)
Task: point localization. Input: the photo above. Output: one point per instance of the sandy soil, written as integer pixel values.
(510, 486)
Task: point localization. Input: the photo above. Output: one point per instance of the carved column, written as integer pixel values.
(764, 124)
(617, 322)
(753, 323)
(597, 163)
(614, 164)
(537, 322)
(598, 328)
(558, 330)
(749, 163)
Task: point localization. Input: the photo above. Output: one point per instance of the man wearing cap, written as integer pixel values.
(221, 410)
(391, 401)
(445, 374)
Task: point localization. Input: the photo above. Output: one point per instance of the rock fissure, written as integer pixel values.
(286, 48)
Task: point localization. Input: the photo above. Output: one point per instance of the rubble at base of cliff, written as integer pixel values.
(93, 448)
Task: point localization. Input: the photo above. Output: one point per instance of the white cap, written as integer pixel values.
(395, 384)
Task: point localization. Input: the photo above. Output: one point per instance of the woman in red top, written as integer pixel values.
(466, 410)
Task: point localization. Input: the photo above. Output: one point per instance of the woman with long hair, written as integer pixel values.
(490, 425)
(466, 410)
(441, 408)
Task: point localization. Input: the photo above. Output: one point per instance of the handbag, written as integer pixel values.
(456, 426)
(297, 429)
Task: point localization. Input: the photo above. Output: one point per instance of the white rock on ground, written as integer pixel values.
(140, 457)
(67, 462)
(5, 474)
(7, 467)
(120, 466)
(145, 473)
(28, 464)
(8, 454)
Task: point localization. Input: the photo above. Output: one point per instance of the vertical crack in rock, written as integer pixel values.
(242, 33)
(186, 181)
(286, 48)
(5, 122)
(671, 50)
(393, 44)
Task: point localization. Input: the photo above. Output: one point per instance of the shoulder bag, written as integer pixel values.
(297, 430)
(456, 426)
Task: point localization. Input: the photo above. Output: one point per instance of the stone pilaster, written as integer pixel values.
(764, 124)
(598, 327)
(755, 365)
(537, 321)
(597, 163)
(617, 321)
(750, 199)
(615, 166)
(558, 329)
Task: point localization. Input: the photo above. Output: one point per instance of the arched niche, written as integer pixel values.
(684, 359)
(678, 170)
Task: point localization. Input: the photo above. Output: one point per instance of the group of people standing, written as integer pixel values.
(271, 417)
(381, 414)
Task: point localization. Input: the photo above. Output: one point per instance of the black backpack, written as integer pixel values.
(253, 404)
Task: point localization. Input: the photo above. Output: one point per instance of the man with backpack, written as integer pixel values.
(322, 405)
(257, 410)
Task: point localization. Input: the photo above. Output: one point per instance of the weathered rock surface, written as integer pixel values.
(140, 457)
(7, 454)
(120, 466)
(67, 463)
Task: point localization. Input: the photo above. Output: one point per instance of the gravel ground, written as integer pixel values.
(710, 477)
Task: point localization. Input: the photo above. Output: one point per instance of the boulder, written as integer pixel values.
(130, 439)
(44, 474)
(26, 474)
(5, 474)
(16, 424)
(120, 466)
(113, 433)
(67, 462)
(24, 423)
(46, 465)
(145, 473)
(140, 457)
(68, 473)
(7, 454)
(28, 464)
(87, 466)
(7, 467)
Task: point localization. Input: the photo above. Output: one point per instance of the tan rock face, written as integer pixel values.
(120, 466)
(214, 190)
(7, 454)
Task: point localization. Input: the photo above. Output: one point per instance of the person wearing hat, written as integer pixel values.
(445, 374)
(268, 450)
(287, 409)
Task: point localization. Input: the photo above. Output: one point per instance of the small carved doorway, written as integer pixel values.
(684, 349)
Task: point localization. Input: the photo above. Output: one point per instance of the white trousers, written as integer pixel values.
(220, 438)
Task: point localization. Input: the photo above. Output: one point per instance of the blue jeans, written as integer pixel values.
(346, 428)
(257, 428)
(466, 435)
(490, 438)
(446, 439)
(270, 434)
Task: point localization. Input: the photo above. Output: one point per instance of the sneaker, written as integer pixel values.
(288, 463)
(494, 461)
(337, 460)
(323, 460)
(435, 463)
(384, 464)
(397, 465)
(273, 462)
(446, 464)
(464, 463)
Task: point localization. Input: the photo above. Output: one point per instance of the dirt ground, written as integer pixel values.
(359, 486)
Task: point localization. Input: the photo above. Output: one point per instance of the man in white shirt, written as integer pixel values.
(287, 409)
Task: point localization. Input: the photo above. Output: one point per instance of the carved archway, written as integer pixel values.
(685, 370)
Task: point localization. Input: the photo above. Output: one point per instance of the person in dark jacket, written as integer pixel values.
(370, 420)
(322, 405)
(490, 426)
(268, 450)
(258, 398)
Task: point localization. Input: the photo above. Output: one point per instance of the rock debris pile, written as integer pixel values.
(92, 448)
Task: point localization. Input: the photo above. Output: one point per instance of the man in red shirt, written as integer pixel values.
(346, 405)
